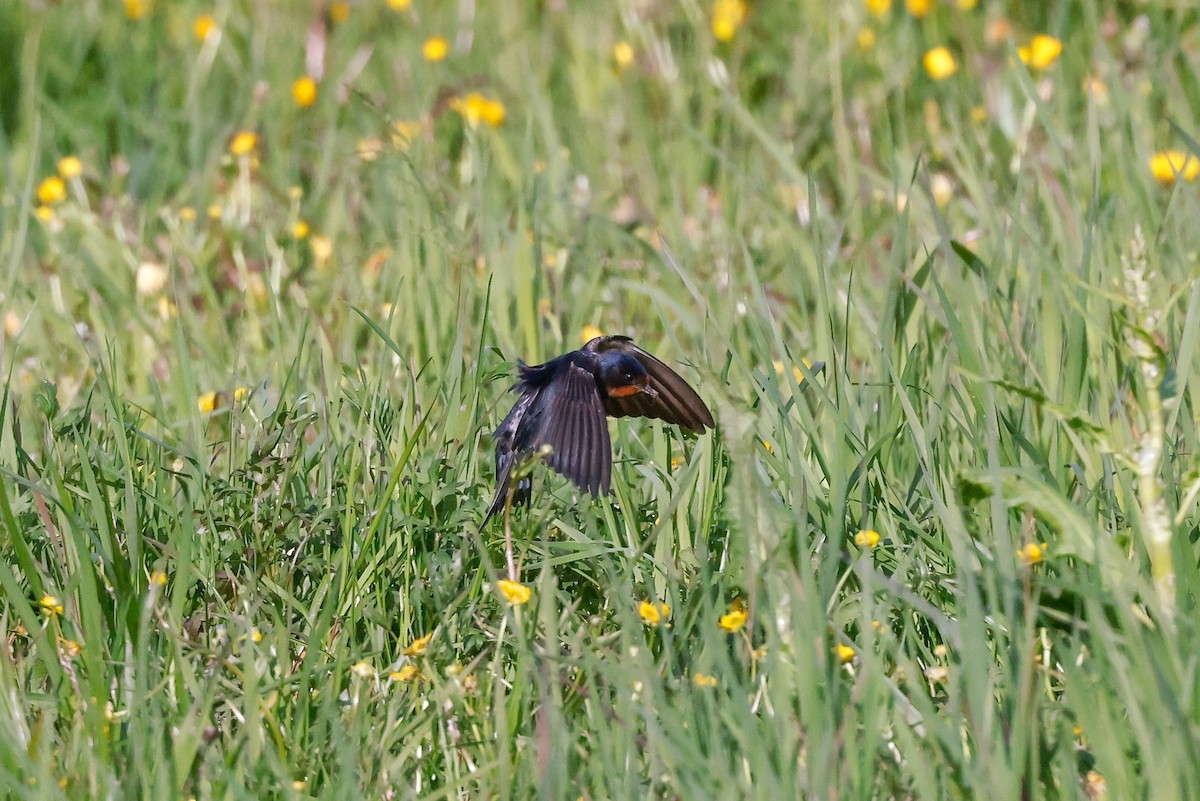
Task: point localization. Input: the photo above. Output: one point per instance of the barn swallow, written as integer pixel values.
(563, 405)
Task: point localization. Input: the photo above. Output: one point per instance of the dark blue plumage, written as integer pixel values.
(563, 408)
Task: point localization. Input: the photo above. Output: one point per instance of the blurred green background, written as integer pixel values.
(265, 271)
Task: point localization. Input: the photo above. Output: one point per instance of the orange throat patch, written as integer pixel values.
(625, 391)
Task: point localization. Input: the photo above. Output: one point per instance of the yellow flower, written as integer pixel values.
(727, 17)
(405, 131)
(797, 373)
(210, 402)
(406, 673)
(363, 669)
(241, 393)
(844, 653)
(940, 63)
(51, 605)
(590, 332)
(513, 592)
(339, 12)
(322, 248)
(919, 8)
(304, 91)
(1041, 52)
(136, 9)
(733, 620)
(419, 646)
(203, 26)
(704, 680)
(369, 148)
(435, 48)
(1165, 166)
(1032, 553)
(187, 214)
(653, 613)
(475, 108)
(243, 143)
(622, 55)
(399, 5)
(51, 190)
(866, 38)
(214, 211)
(44, 213)
(879, 8)
(158, 577)
(70, 648)
(69, 167)
(300, 229)
(866, 538)
(255, 635)
(967, 5)
(942, 188)
(978, 114)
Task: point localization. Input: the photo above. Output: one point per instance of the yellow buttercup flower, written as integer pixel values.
(210, 402)
(942, 189)
(339, 12)
(322, 248)
(1032, 553)
(399, 5)
(475, 108)
(727, 17)
(919, 8)
(203, 26)
(51, 605)
(1042, 51)
(404, 132)
(304, 91)
(622, 54)
(419, 646)
(867, 538)
(879, 8)
(406, 673)
(1166, 166)
(51, 190)
(734, 619)
(300, 229)
(940, 63)
(590, 332)
(363, 669)
(514, 592)
(653, 613)
(136, 9)
(70, 167)
(844, 653)
(704, 680)
(435, 48)
(243, 143)
(866, 38)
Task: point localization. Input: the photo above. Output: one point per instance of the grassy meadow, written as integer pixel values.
(265, 272)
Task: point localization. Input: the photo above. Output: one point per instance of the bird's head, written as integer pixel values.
(622, 376)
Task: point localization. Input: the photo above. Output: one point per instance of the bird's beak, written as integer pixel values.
(646, 389)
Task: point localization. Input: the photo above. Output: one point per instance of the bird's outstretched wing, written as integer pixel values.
(674, 400)
(570, 419)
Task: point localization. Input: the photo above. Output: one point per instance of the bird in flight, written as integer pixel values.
(564, 403)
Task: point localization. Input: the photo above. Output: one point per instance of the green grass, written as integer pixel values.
(239, 586)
